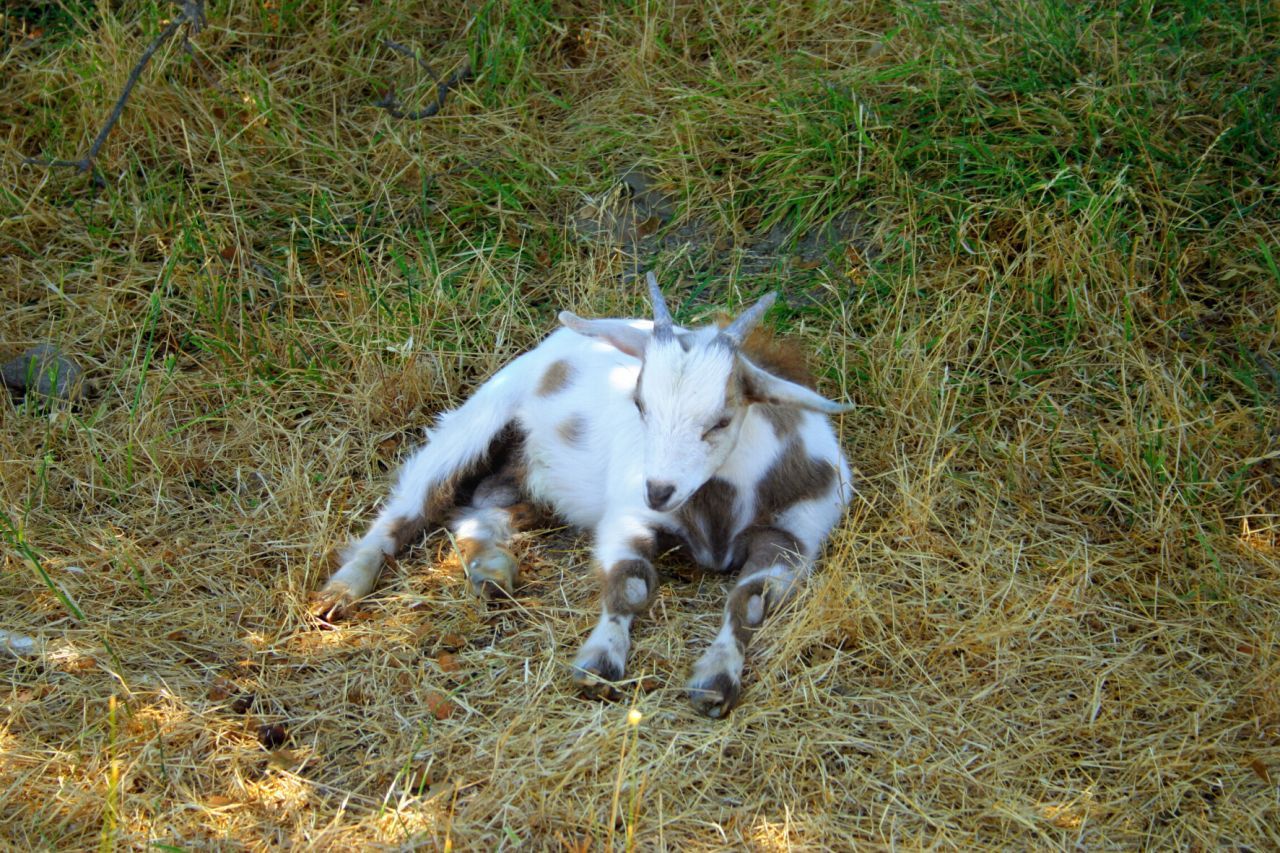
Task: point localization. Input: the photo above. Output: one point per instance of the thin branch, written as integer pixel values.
(192, 14)
(407, 51)
(389, 102)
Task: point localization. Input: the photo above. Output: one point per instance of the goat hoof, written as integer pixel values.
(715, 697)
(492, 574)
(597, 680)
(332, 604)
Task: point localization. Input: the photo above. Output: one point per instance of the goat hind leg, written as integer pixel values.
(492, 570)
(776, 563)
(362, 562)
(420, 496)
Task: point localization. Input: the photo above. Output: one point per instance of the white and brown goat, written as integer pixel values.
(643, 433)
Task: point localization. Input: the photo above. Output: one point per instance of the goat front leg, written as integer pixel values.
(776, 563)
(624, 551)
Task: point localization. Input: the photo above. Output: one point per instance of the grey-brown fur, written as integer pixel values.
(403, 531)
(572, 430)
(795, 477)
(616, 600)
(556, 379)
(784, 419)
(767, 547)
(644, 546)
(708, 518)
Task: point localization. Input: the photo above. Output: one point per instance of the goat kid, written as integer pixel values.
(646, 434)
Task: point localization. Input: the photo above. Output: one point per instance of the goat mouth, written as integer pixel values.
(673, 503)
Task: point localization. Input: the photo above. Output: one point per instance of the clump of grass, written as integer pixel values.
(1049, 619)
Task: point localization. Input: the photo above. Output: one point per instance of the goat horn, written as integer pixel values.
(661, 315)
(737, 331)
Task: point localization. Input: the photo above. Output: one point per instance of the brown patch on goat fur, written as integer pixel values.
(403, 531)
(441, 500)
(643, 546)
(736, 607)
(556, 379)
(768, 547)
(572, 430)
(795, 477)
(707, 518)
(785, 420)
(615, 586)
(776, 355)
(503, 466)
(469, 549)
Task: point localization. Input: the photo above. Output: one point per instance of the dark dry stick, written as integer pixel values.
(407, 51)
(193, 14)
(389, 103)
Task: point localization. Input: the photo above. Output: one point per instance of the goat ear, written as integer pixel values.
(619, 333)
(759, 386)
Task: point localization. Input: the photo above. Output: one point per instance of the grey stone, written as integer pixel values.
(18, 645)
(44, 371)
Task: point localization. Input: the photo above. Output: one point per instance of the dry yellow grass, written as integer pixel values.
(1049, 620)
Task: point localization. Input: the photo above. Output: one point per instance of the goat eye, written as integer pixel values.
(718, 425)
(639, 405)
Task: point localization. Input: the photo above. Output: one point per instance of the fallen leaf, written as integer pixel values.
(284, 759)
(439, 705)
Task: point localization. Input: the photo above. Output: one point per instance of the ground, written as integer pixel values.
(1035, 243)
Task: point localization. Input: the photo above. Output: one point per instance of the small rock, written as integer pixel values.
(44, 371)
(18, 645)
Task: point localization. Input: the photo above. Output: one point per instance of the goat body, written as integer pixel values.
(638, 431)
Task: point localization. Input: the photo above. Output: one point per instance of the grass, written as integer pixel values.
(1049, 619)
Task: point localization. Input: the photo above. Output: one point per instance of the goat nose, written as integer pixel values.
(659, 493)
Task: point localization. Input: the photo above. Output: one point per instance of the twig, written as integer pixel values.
(389, 103)
(192, 14)
(408, 51)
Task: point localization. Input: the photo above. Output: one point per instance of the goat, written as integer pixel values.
(644, 433)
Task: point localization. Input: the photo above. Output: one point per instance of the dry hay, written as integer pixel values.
(1050, 618)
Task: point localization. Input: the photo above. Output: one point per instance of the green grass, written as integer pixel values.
(1049, 619)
